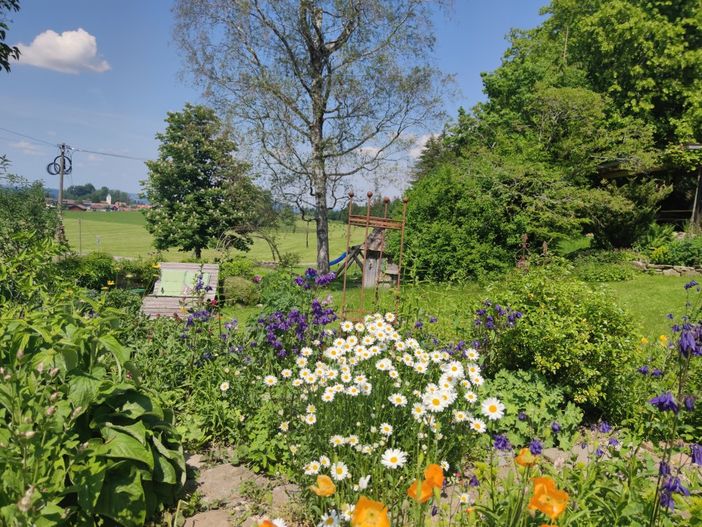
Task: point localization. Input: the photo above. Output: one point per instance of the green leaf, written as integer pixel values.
(83, 389)
(122, 497)
(88, 483)
(119, 445)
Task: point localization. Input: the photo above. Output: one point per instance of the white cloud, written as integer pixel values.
(28, 148)
(416, 150)
(69, 52)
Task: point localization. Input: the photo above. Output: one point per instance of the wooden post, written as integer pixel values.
(695, 218)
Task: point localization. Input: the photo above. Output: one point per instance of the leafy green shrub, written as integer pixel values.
(240, 290)
(532, 406)
(577, 337)
(279, 292)
(92, 271)
(656, 236)
(598, 272)
(289, 260)
(684, 251)
(237, 266)
(139, 273)
(81, 442)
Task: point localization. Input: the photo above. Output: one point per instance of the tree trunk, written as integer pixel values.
(198, 252)
(322, 229)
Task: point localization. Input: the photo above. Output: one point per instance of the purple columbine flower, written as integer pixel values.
(656, 373)
(419, 324)
(599, 452)
(613, 441)
(673, 485)
(687, 344)
(522, 416)
(690, 284)
(474, 481)
(689, 403)
(555, 427)
(502, 443)
(536, 447)
(696, 454)
(664, 469)
(299, 281)
(643, 370)
(433, 320)
(665, 403)
(604, 427)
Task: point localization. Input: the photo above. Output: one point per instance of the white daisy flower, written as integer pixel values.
(434, 402)
(286, 373)
(477, 425)
(477, 380)
(270, 380)
(397, 399)
(421, 367)
(284, 426)
(464, 498)
(297, 382)
(301, 362)
(386, 429)
(339, 471)
(311, 409)
(279, 522)
(324, 461)
(390, 317)
(393, 374)
(363, 482)
(393, 458)
(328, 396)
(310, 419)
(353, 391)
(352, 340)
(471, 397)
(460, 416)
(444, 464)
(492, 408)
(418, 410)
(336, 440)
(346, 377)
(368, 340)
(352, 440)
(306, 351)
(329, 519)
(347, 511)
(224, 386)
(472, 354)
(312, 468)
(347, 326)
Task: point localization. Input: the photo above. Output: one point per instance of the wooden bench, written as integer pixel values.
(174, 291)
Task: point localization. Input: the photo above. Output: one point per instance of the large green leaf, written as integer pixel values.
(88, 485)
(119, 352)
(122, 497)
(83, 389)
(119, 445)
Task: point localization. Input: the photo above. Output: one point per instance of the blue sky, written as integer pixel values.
(110, 88)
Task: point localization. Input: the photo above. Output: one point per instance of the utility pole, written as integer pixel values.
(62, 169)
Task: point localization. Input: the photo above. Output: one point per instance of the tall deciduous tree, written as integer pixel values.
(328, 89)
(198, 190)
(7, 52)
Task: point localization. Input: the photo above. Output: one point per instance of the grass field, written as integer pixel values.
(648, 298)
(124, 234)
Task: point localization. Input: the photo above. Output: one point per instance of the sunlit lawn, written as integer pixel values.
(124, 234)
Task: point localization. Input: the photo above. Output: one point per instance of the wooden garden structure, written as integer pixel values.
(174, 291)
(376, 268)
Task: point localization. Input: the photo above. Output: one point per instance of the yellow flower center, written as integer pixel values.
(492, 408)
(393, 459)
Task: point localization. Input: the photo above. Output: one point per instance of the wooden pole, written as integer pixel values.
(347, 260)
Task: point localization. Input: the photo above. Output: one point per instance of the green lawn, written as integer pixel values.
(124, 234)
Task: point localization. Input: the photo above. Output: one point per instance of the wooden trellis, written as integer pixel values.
(370, 256)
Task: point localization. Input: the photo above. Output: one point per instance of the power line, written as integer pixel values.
(75, 149)
(28, 136)
(109, 154)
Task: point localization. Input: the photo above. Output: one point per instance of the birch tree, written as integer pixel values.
(325, 89)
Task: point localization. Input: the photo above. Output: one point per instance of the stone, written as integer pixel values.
(282, 495)
(215, 518)
(639, 265)
(221, 484)
(670, 272)
(195, 461)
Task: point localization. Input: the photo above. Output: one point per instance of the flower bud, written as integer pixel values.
(54, 396)
(51, 410)
(53, 372)
(29, 434)
(20, 354)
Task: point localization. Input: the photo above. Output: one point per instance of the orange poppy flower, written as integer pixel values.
(266, 523)
(369, 513)
(525, 458)
(547, 498)
(433, 479)
(434, 474)
(426, 490)
(324, 487)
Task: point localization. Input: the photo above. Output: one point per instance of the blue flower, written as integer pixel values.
(665, 403)
(687, 343)
(474, 481)
(656, 373)
(690, 284)
(536, 447)
(643, 370)
(555, 427)
(502, 443)
(613, 442)
(696, 454)
(522, 416)
(604, 427)
(689, 402)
